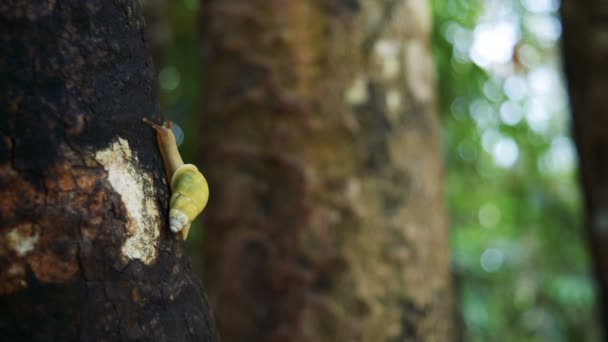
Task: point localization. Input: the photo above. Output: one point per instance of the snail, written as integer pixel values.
(189, 189)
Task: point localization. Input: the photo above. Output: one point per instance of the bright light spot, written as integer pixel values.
(540, 6)
(492, 259)
(528, 55)
(561, 156)
(511, 113)
(543, 80)
(564, 154)
(546, 28)
(483, 113)
(489, 139)
(169, 78)
(450, 31)
(489, 215)
(493, 43)
(505, 152)
(461, 39)
(516, 87)
(492, 91)
(178, 132)
(537, 115)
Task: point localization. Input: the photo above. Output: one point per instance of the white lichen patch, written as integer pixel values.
(23, 238)
(132, 183)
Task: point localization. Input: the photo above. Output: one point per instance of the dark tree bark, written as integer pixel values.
(85, 252)
(585, 47)
(322, 149)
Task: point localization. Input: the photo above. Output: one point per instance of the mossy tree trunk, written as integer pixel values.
(85, 252)
(585, 47)
(321, 144)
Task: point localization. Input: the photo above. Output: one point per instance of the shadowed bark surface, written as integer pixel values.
(85, 252)
(321, 142)
(585, 47)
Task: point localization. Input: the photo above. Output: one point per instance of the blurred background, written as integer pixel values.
(518, 248)
(518, 255)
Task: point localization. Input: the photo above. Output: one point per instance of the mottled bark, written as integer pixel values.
(322, 146)
(85, 252)
(585, 47)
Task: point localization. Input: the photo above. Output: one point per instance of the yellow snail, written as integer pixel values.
(189, 189)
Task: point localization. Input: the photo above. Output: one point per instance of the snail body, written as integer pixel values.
(189, 188)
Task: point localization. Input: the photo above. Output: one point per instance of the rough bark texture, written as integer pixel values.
(585, 46)
(85, 252)
(322, 147)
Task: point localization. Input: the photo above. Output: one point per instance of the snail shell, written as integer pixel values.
(189, 196)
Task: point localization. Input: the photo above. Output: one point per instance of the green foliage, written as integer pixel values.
(518, 248)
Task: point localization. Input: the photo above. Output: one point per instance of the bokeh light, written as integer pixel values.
(518, 250)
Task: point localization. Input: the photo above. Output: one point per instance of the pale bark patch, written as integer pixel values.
(130, 182)
(388, 52)
(420, 71)
(420, 15)
(393, 104)
(356, 94)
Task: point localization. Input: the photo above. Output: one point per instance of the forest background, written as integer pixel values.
(518, 253)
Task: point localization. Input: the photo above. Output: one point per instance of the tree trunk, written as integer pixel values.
(585, 47)
(322, 146)
(85, 252)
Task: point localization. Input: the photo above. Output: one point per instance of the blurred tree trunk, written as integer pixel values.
(322, 147)
(585, 47)
(85, 252)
